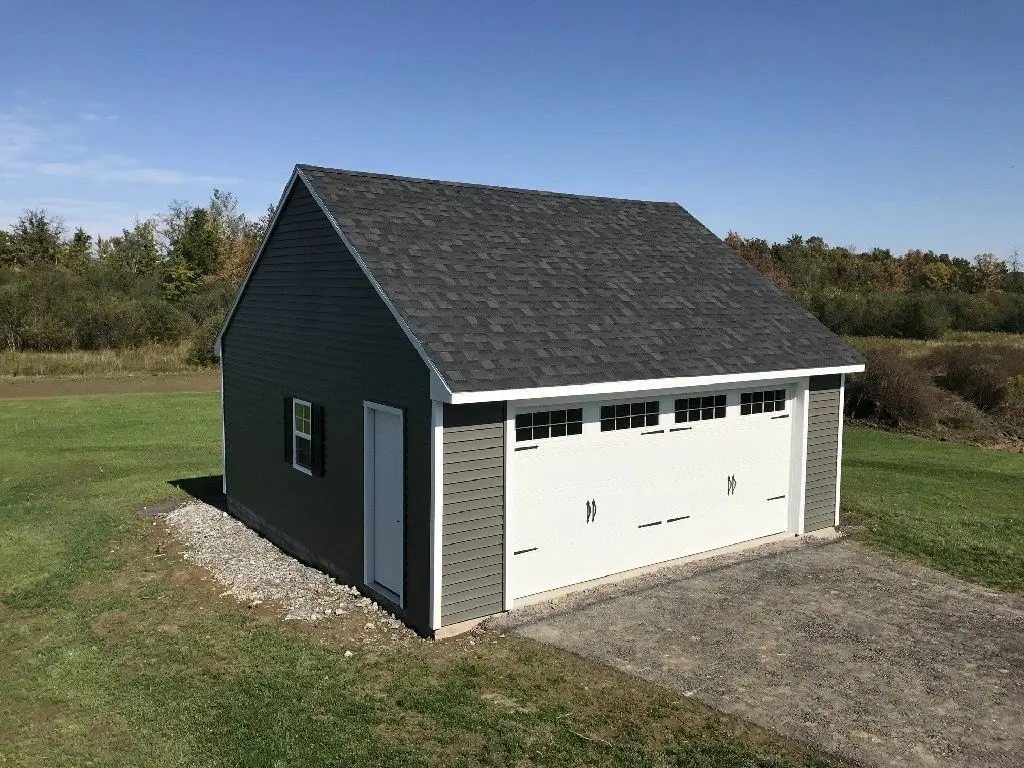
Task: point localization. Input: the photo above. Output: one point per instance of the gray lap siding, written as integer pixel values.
(310, 325)
(823, 419)
(473, 520)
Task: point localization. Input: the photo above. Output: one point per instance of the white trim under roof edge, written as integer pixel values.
(573, 391)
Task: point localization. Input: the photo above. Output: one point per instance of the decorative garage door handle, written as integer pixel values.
(730, 485)
(591, 511)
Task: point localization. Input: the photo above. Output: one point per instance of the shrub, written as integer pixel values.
(45, 334)
(214, 300)
(1011, 411)
(111, 324)
(881, 316)
(893, 391)
(980, 373)
(889, 314)
(973, 311)
(166, 322)
(923, 316)
(200, 347)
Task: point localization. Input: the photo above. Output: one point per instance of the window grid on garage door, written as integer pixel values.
(762, 401)
(539, 425)
(630, 415)
(700, 408)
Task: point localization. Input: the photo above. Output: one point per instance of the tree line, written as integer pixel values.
(170, 279)
(920, 294)
(167, 279)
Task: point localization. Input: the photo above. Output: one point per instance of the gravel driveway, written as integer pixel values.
(879, 661)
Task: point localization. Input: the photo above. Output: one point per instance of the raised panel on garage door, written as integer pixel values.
(556, 539)
(755, 455)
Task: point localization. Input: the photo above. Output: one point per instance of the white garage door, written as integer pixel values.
(601, 488)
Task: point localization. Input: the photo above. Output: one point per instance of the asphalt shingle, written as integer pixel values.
(513, 288)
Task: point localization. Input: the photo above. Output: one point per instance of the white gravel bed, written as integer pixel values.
(255, 572)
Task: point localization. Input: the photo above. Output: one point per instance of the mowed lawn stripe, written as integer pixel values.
(951, 506)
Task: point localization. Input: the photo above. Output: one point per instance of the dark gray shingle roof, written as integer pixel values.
(512, 288)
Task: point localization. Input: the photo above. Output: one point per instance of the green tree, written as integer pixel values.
(194, 254)
(989, 271)
(77, 251)
(6, 249)
(36, 238)
(135, 250)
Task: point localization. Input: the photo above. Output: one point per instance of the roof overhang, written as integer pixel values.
(576, 391)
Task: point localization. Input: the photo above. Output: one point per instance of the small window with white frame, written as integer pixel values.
(302, 436)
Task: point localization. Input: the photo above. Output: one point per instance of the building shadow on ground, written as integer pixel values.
(207, 489)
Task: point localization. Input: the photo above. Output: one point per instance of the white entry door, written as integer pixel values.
(384, 498)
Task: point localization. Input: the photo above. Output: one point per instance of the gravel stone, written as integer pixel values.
(254, 571)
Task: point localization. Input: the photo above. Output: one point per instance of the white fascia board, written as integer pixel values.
(255, 260)
(438, 389)
(575, 391)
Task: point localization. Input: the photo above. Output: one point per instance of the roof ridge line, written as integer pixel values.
(477, 185)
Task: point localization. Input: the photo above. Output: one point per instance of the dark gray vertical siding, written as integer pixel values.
(310, 325)
(823, 418)
(473, 521)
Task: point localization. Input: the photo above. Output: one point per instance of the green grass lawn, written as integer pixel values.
(954, 507)
(113, 653)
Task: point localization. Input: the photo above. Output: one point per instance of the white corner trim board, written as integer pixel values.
(508, 598)
(640, 386)
(804, 437)
(798, 453)
(436, 510)
(839, 452)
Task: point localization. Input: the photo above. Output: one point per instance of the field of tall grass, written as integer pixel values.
(152, 359)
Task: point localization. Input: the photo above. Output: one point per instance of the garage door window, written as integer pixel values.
(629, 415)
(765, 401)
(700, 408)
(544, 424)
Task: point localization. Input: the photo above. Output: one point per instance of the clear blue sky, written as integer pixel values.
(897, 123)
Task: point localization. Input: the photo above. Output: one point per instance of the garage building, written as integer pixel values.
(460, 397)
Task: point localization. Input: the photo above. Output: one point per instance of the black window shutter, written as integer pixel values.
(287, 424)
(318, 440)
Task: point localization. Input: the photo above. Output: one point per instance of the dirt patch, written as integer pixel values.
(60, 386)
(880, 661)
